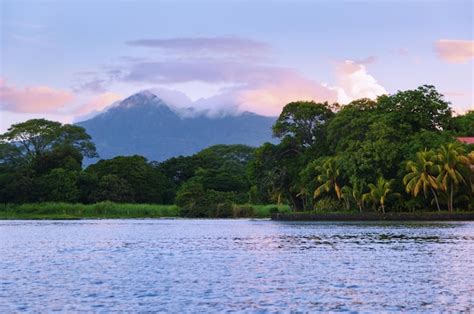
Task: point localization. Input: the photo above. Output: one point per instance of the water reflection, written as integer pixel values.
(240, 265)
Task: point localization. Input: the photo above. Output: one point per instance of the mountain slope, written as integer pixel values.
(143, 124)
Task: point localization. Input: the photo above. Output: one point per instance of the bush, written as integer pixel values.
(243, 211)
(222, 210)
(328, 204)
(197, 202)
(274, 210)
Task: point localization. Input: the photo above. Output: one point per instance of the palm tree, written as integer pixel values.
(451, 160)
(379, 192)
(358, 194)
(346, 195)
(354, 194)
(273, 180)
(329, 178)
(470, 168)
(421, 175)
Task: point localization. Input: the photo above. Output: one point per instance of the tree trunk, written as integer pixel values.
(451, 199)
(436, 199)
(383, 208)
(296, 201)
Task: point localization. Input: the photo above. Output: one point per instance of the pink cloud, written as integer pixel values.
(33, 99)
(455, 51)
(269, 98)
(99, 103)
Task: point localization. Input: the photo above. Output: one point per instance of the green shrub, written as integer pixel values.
(328, 204)
(221, 210)
(195, 201)
(274, 210)
(243, 211)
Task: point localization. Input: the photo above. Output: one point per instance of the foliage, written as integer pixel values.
(379, 193)
(422, 174)
(303, 122)
(35, 137)
(59, 185)
(452, 162)
(112, 188)
(354, 195)
(329, 178)
(97, 210)
(195, 201)
(463, 125)
(327, 204)
(139, 180)
(329, 157)
(415, 110)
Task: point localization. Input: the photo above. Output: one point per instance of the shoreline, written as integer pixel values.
(334, 217)
(401, 216)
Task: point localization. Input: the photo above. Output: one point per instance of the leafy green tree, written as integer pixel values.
(113, 188)
(16, 185)
(415, 110)
(264, 173)
(351, 124)
(34, 155)
(230, 177)
(38, 136)
(219, 154)
(195, 201)
(147, 182)
(177, 170)
(59, 185)
(275, 172)
(65, 157)
(422, 174)
(224, 168)
(379, 154)
(463, 125)
(418, 141)
(87, 183)
(220, 167)
(303, 121)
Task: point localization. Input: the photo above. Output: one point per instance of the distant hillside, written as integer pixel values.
(143, 124)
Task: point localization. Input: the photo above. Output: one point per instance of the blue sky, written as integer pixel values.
(68, 59)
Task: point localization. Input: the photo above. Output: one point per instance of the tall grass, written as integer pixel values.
(97, 210)
(53, 210)
(265, 211)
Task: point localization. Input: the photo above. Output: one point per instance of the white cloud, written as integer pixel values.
(354, 82)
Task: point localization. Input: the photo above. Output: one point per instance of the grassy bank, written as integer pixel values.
(265, 211)
(77, 211)
(371, 216)
(117, 210)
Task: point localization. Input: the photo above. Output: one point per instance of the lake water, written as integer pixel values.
(235, 265)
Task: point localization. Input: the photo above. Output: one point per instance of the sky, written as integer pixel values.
(68, 60)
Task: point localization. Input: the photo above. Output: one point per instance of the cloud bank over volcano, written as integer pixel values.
(252, 81)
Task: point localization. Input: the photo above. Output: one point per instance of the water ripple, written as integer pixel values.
(235, 265)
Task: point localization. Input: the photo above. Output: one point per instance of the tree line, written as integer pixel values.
(397, 153)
